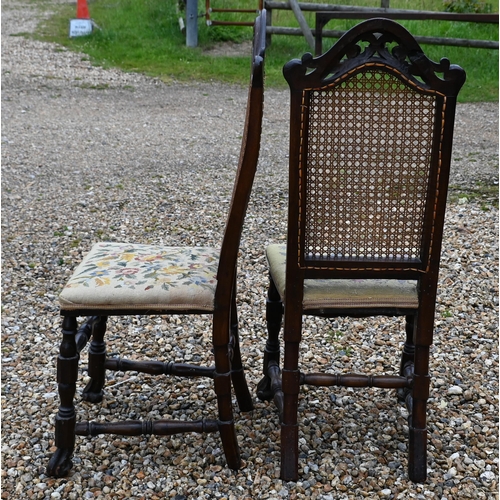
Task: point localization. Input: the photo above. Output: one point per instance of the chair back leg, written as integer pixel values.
(226, 422)
(289, 426)
(417, 459)
(274, 316)
(242, 393)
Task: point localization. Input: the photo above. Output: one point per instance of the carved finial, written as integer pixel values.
(307, 58)
(445, 64)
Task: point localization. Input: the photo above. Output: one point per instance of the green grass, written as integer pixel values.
(144, 36)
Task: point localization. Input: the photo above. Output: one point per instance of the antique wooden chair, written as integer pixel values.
(208, 288)
(371, 128)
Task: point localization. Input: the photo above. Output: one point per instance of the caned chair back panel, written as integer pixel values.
(367, 169)
(366, 146)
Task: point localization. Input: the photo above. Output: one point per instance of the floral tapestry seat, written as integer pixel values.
(143, 277)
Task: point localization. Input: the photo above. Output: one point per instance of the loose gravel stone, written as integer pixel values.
(92, 154)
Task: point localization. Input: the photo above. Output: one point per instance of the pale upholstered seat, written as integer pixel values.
(371, 127)
(143, 277)
(344, 294)
(123, 279)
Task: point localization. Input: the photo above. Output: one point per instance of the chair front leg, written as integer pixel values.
(222, 385)
(274, 316)
(67, 374)
(408, 355)
(409, 347)
(93, 392)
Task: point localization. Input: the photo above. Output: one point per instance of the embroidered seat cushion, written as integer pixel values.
(143, 277)
(344, 293)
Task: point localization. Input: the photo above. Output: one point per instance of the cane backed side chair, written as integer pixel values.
(207, 288)
(371, 125)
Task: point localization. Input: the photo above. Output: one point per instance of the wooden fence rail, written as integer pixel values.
(325, 13)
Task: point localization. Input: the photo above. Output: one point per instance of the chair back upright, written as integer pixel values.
(370, 145)
(247, 166)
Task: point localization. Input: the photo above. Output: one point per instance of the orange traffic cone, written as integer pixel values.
(82, 10)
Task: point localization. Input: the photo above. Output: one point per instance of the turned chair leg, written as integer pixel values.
(93, 392)
(67, 373)
(409, 347)
(417, 460)
(415, 363)
(274, 316)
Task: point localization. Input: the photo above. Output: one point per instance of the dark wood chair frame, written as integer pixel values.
(378, 46)
(228, 368)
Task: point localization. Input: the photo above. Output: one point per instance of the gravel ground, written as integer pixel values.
(91, 154)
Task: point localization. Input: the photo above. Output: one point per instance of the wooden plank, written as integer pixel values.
(458, 42)
(410, 15)
(234, 10)
(318, 7)
(321, 7)
(231, 23)
(302, 22)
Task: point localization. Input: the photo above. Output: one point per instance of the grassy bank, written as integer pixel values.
(144, 36)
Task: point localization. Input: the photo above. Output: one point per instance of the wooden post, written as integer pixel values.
(269, 22)
(191, 23)
(302, 23)
(384, 4)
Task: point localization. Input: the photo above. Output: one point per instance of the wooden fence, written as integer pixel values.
(211, 22)
(325, 13)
